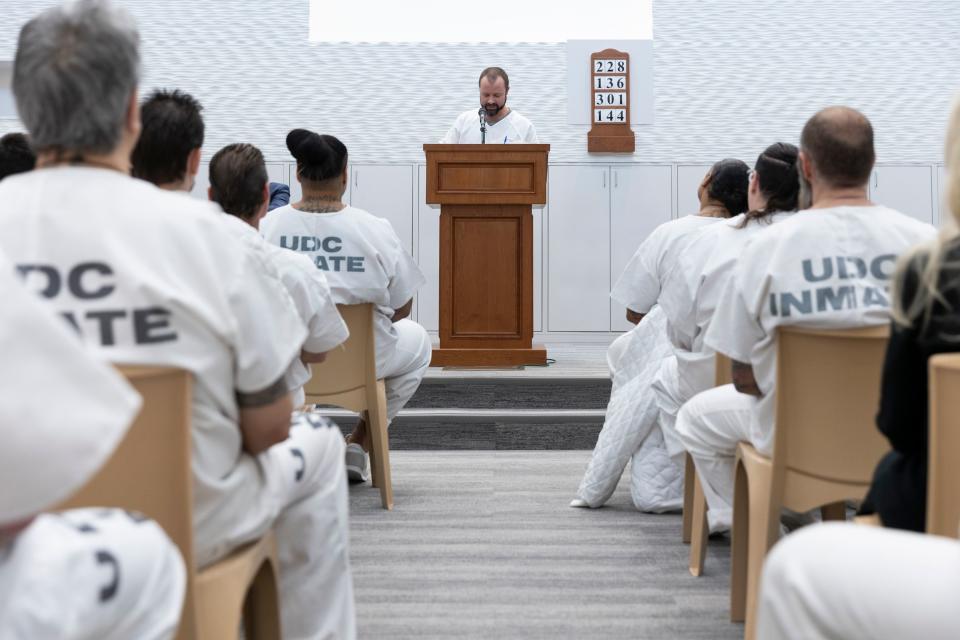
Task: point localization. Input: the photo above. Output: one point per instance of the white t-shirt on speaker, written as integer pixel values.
(361, 256)
(153, 278)
(821, 268)
(511, 129)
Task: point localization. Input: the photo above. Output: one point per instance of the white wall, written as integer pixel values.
(730, 76)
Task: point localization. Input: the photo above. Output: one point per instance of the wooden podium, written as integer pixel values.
(486, 193)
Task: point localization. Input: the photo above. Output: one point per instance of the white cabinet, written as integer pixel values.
(908, 189)
(386, 191)
(296, 193)
(689, 177)
(428, 257)
(941, 207)
(276, 171)
(578, 232)
(639, 203)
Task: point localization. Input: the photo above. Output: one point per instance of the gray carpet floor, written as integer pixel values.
(482, 544)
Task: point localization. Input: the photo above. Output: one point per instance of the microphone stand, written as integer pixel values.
(483, 125)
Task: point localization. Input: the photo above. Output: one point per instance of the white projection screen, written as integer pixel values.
(459, 21)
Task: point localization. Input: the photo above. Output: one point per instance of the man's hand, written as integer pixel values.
(743, 380)
(633, 317)
(402, 312)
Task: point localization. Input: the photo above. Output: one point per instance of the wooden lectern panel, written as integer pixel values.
(486, 250)
(487, 267)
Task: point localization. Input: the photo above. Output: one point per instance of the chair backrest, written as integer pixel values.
(150, 470)
(828, 393)
(943, 463)
(353, 364)
(724, 373)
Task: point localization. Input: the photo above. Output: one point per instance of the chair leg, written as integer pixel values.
(764, 528)
(374, 467)
(835, 511)
(261, 611)
(700, 529)
(381, 445)
(740, 540)
(688, 475)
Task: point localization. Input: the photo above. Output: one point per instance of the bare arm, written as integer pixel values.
(633, 317)
(308, 357)
(743, 380)
(403, 312)
(265, 417)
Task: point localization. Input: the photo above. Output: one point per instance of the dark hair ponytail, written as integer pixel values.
(777, 172)
(319, 157)
(728, 185)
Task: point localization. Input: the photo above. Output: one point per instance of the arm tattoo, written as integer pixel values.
(263, 397)
(743, 379)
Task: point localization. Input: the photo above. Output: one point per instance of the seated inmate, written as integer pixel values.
(630, 431)
(364, 261)
(827, 266)
(150, 277)
(86, 574)
(238, 183)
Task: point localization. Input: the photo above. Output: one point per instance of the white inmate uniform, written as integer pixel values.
(511, 129)
(85, 573)
(689, 299)
(839, 580)
(152, 277)
(311, 296)
(821, 268)
(630, 430)
(364, 261)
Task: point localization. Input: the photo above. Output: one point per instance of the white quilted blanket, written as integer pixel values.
(631, 432)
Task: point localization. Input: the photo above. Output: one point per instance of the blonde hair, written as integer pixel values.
(928, 261)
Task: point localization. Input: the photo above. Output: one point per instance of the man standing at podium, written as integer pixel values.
(494, 122)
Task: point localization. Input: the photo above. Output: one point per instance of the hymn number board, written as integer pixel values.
(610, 102)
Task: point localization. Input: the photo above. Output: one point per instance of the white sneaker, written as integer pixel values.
(358, 463)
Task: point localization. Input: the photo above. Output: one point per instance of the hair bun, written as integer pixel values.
(299, 144)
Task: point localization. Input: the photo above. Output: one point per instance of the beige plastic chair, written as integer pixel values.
(943, 459)
(826, 446)
(348, 379)
(150, 473)
(697, 506)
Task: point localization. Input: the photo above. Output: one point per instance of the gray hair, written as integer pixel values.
(76, 67)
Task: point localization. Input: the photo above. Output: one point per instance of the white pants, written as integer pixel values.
(840, 580)
(402, 369)
(307, 506)
(709, 426)
(91, 574)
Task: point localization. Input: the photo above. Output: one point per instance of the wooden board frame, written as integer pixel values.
(610, 137)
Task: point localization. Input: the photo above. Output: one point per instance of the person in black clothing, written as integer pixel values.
(926, 321)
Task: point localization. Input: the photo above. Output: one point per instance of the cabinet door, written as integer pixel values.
(276, 172)
(639, 203)
(907, 189)
(296, 193)
(428, 257)
(689, 177)
(943, 213)
(386, 191)
(578, 232)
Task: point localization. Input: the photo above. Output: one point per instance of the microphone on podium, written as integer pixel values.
(483, 125)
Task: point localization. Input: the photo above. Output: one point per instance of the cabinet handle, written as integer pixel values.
(616, 179)
(356, 178)
(604, 174)
(876, 180)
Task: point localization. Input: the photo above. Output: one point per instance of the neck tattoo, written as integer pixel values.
(320, 205)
